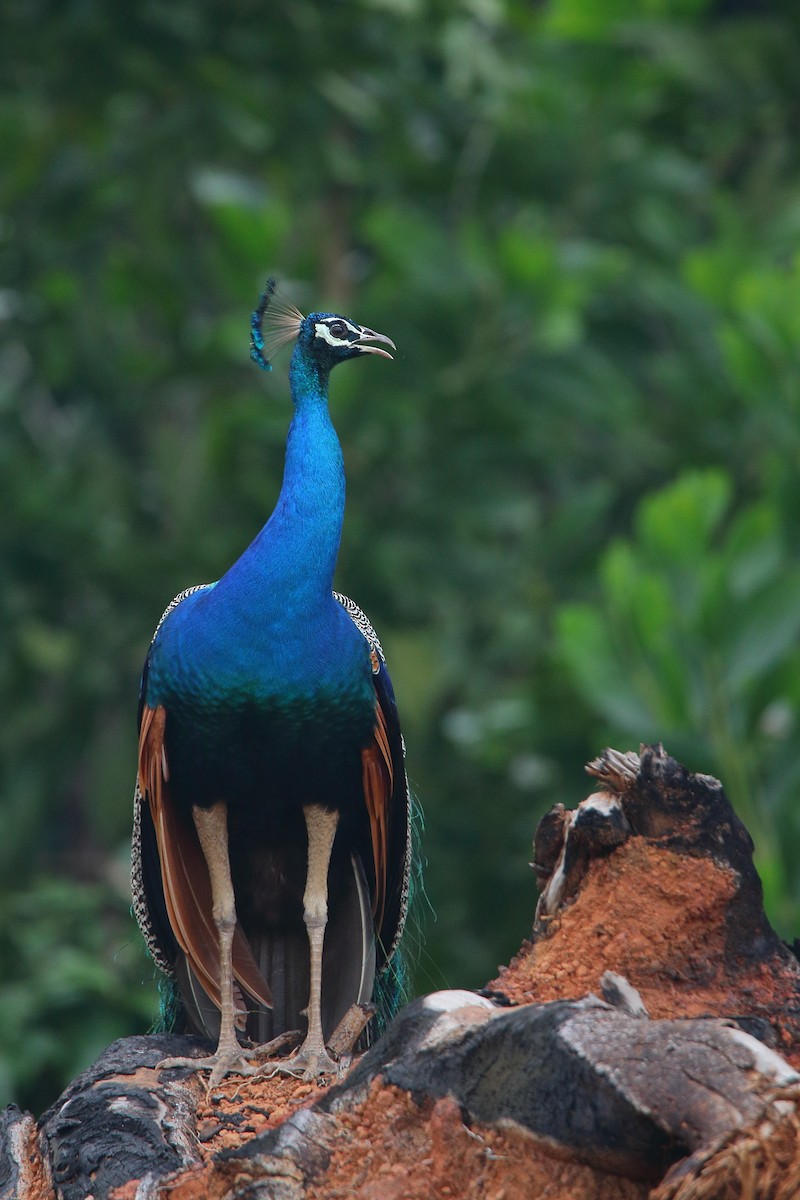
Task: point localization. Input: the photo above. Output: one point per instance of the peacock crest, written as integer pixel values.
(273, 323)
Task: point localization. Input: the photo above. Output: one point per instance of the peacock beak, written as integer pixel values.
(369, 335)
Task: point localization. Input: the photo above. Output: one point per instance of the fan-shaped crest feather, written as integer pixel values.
(274, 323)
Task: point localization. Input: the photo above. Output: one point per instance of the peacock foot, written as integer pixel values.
(229, 1058)
(311, 1062)
(314, 1058)
(224, 1061)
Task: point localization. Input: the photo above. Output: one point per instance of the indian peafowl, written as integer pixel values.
(272, 826)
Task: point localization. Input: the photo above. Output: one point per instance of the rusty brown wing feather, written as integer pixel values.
(378, 782)
(387, 801)
(184, 876)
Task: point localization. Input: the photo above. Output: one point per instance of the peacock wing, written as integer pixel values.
(170, 883)
(387, 800)
(184, 875)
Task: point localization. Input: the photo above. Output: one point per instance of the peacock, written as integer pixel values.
(273, 829)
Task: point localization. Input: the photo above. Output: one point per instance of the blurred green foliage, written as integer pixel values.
(572, 498)
(694, 641)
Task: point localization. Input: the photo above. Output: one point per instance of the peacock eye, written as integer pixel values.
(338, 328)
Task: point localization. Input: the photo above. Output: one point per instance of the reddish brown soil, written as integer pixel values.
(236, 1111)
(654, 916)
(390, 1148)
(241, 1108)
(659, 919)
(435, 1156)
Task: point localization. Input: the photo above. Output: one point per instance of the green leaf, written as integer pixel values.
(765, 632)
(677, 523)
(586, 651)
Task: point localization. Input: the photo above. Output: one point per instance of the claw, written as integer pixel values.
(309, 1066)
(231, 1059)
(311, 1061)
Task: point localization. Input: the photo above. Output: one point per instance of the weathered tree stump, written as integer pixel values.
(652, 877)
(598, 1064)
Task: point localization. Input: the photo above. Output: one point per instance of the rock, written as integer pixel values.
(622, 1094)
(123, 1120)
(538, 1085)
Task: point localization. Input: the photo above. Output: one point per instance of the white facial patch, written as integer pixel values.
(322, 330)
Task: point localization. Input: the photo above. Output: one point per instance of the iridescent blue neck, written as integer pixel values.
(292, 559)
(310, 508)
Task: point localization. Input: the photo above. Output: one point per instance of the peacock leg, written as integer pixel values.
(321, 826)
(212, 830)
(313, 1058)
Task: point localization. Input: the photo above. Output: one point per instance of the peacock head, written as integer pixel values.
(327, 338)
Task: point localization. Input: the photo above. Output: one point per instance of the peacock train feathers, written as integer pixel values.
(274, 832)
